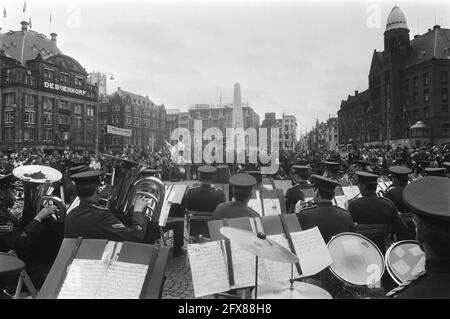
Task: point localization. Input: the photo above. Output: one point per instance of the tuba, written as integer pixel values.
(37, 190)
(129, 182)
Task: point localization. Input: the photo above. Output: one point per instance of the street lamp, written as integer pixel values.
(98, 107)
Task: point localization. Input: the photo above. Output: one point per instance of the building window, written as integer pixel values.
(426, 97)
(406, 100)
(416, 98)
(29, 100)
(426, 79)
(444, 110)
(47, 119)
(65, 136)
(77, 123)
(90, 111)
(9, 116)
(29, 117)
(416, 114)
(444, 94)
(28, 135)
(78, 108)
(48, 134)
(416, 82)
(127, 108)
(9, 133)
(116, 107)
(426, 112)
(64, 77)
(444, 76)
(116, 141)
(64, 105)
(10, 99)
(49, 73)
(48, 103)
(78, 81)
(446, 130)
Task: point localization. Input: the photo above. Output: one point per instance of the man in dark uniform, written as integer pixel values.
(330, 219)
(371, 209)
(294, 194)
(94, 222)
(242, 191)
(428, 199)
(395, 190)
(331, 170)
(203, 198)
(435, 171)
(20, 238)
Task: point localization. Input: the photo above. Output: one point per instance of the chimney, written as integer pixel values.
(24, 25)
(437, 26)
(53, 38)
(356, 92)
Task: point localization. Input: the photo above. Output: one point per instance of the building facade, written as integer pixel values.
(408, 88)
(288, 136)
(354, 126)
(45, 99)
(271, 122)
(332, 134)
(136, 124)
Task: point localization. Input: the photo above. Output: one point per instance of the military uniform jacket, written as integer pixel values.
(204, 198)
(371, 209)
(233, 209)
(331, 220)
(93, 222)
(12, 238)
(395, 194)
(294, 194)
(434, 283)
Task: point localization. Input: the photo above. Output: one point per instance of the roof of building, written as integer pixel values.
(433, 44)
(144, 100)
(396, 19)
(25, 44)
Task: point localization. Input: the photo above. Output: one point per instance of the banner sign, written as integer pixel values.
(118, 131)
(63, 88)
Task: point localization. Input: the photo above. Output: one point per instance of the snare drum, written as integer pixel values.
(358, 264)
(404, 260)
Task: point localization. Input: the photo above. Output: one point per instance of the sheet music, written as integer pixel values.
(97, 279)
(279, 271)
(244, 264)
(177, 193)
(341, 201)
(350, 191)
(255, 203)
(165, 209)
(271, 206)
(122, 281)
(208, 268)
(311, 251)
(83, 279)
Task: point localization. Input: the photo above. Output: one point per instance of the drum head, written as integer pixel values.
(356, 259)
(37, 174)
(404, 260)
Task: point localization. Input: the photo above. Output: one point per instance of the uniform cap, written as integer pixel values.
(207, 169)
(87, 178)
(243, 180)
(366, 178)
(301, 168)
(400, 170)
(446, 164)
(78, 169)
(330, 164)
(324, 183)
(435, 171)
(429, 197)
(150, 172)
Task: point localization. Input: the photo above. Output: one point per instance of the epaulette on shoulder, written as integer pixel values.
(308, 208)
(406, 284)
(99, 207)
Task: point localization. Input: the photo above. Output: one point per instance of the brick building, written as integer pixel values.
(139, 124)
(408, 89)
(45, 100)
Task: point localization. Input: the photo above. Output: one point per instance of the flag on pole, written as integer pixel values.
(4, 12)
(24, 7)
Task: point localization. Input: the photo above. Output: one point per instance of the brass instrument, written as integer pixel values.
(302, 205)
(129, 182)
(37, 188)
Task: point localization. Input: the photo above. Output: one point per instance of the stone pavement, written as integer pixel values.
(178, 284)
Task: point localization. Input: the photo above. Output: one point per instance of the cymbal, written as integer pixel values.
(261, 247)
(37, 174)
(282, 290)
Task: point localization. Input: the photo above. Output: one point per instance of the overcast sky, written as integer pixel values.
(297, 57)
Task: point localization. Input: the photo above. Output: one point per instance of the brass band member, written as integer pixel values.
(399, 182)
(242, 191)
(371, 209)
(435, 171)
(428, 199)
(94, 222)
(331, 170)
(294, 194)
(330, 219)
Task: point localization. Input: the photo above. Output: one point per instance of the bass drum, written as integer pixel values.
(357, 266)
(404, 261)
